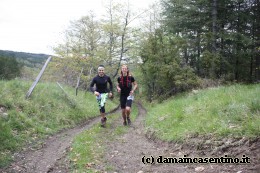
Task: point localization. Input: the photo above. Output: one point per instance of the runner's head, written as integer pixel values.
(101, 70)
(124, 70)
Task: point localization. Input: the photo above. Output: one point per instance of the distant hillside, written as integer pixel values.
(26, 59)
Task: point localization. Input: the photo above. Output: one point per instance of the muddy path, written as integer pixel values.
(131, 151)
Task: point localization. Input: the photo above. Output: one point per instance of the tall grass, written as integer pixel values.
(232, 111)
(48, 110)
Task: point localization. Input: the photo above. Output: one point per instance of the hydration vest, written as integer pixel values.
(127, 83)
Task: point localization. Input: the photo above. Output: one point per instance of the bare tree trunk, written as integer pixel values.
(214, 25)
(255, 60)
(111, 35)
(199, 52)
(122, 46)
(214, 32)
(238, 46)
(78, 82)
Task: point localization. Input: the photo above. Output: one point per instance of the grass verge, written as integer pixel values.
(47, 111)
(227, 111)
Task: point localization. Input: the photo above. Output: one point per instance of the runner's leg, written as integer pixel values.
(128, 111)
(102, 108)
(123, 104)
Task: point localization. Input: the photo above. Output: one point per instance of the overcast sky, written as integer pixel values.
(36, 25)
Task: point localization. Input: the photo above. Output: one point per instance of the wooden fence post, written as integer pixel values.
(78, 82)
(38, 78)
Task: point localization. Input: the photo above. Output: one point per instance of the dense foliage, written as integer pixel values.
(222, 36)
(9, 67)
(210, 39)
(164, 71)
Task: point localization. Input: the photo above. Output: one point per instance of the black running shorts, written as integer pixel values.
(124, 102)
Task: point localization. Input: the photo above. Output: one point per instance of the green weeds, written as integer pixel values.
(223, 111)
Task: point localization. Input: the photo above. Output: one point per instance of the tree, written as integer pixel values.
(99, 41)
(9, 67)
(121, 41)
(82, 49)
(163, 68)
(220, 36)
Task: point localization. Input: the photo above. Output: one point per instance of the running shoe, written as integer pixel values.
(129, 121)
(103, 121)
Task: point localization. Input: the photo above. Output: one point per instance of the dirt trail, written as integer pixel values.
(47, 158)
(54, 148)
(124, 154)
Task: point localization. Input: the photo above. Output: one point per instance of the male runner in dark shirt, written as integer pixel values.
(101, 91)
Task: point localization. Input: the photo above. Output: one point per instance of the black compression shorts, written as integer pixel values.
(124, 102)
